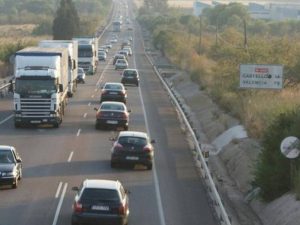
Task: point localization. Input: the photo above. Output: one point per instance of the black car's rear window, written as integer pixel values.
(113, 86)
(128, 140)
(112, 107)
(90, 195)
(130, 73)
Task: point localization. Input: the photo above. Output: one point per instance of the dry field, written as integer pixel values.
(181, 4)
(16, 34)
(13, 31)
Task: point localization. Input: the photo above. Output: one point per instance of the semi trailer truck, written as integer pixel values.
(72, 47)
(41, 86)
(87, 53)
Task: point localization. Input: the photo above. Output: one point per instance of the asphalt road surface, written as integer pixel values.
(55, 160)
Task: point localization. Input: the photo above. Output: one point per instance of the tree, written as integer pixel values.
(66, 22)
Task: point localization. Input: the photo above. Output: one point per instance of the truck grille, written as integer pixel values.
(83, 65)
(39, 107)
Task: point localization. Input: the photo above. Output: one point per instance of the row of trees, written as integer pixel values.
(211, 48)
(66, 23)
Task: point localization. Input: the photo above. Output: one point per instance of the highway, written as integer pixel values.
(55, 160)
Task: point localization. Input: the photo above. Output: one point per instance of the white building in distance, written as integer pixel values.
(258, 10)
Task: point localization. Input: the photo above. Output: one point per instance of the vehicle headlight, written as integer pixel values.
(10, 174)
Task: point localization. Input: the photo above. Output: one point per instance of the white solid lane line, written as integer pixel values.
(60, 204)
(58, 189)
(155, 177)
(7, 118)
(78, 132)
(70, 156)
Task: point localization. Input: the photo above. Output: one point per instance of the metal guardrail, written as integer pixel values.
(222, 215)
(5, 85)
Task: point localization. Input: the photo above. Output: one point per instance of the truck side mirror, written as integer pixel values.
(60, 88)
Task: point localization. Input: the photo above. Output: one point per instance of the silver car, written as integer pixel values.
(121, 64)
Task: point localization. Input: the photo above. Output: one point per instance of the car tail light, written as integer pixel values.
(147, 148)
(118, 146)
(104, 92)
(122, 210)
(77, 207)
(125, 116)
(98, 115)
(123, 93)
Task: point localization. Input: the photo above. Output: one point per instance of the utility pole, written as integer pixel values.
(200, 34)
(217, 32)
(245, 36)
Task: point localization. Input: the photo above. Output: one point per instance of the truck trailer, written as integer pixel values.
(87, 53)
(72, 47)
(41, 86)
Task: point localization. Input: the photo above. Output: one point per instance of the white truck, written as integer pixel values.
(72, 47)
(41, 85)
(87, 53)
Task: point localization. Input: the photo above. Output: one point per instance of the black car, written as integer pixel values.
(112, 115)
(130, 76)
(113, 92)
(10, 166)
(100, 202)
(132, 147)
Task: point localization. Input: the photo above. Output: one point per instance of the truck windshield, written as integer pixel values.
(85, 51)
(35, 86)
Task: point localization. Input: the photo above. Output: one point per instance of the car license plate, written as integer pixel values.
(35, 121)
(132, 158)
(112, 122)
(100, 207)
(113, 93)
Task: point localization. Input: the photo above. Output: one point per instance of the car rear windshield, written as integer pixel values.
(113, 87)
(90, 195)
(112, 107)
(128, 140)
(130, 73)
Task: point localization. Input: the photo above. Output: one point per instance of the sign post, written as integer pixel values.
(289, 147)
(261, 76)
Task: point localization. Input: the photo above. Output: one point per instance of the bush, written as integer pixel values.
(44, 28)
(272, 173)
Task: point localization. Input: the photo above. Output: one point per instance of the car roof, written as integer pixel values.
(113, 103)
(103, 184)
(6, 147)
(121, 60)
(130, 70)
(133, 134)
(114, 83)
